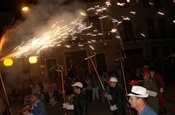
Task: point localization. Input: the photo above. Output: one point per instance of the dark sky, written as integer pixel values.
(13, 5)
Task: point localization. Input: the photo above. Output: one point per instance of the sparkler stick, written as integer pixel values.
(62, 81)
(124, 80)
(90, 58)
(5, 94)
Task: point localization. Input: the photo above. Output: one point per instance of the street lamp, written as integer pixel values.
(8, 62)
(33, 59)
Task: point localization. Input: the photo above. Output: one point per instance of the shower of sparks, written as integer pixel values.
(56, 35)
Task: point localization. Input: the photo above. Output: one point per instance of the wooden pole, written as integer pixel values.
(8, 103)
(90, 58)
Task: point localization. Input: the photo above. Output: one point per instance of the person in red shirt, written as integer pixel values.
(161, 84)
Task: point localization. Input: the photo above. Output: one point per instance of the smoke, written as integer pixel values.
(37, 22)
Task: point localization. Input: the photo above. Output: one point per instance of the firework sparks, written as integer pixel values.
(161, 13)
(53, 37)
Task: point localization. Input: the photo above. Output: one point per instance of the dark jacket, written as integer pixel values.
(80, 104)
(118, 99)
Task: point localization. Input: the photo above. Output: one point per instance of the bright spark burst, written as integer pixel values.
(56, 35)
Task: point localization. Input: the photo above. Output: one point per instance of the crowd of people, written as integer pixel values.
(147, 93)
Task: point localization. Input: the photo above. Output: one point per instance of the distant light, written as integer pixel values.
(161, 13)
(8, 62)
(33, 59)
(173, 21)
(113, 30)
(91, 47)
(25, 8)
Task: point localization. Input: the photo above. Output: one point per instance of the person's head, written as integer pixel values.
(146, 75)
(138, 97)
(34, 97)
(77, 87)
(112, 81)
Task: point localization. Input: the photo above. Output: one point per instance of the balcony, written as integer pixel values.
(157, 34)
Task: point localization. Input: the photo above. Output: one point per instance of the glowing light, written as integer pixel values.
(161, 13)
(150, 3)
(91, 47)
(120, 4)
(143, 35)
(108, 3)
(133, 12)
(113, 30)
(3, 40)
(8, 62)
(25, 8)
(173, 21)
(33, 59)
(125, 18)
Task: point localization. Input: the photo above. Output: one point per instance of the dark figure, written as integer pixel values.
(117, 97)
(79, 105)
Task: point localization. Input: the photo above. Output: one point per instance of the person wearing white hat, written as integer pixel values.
(138, 101)
(79, 104)
(116, 97)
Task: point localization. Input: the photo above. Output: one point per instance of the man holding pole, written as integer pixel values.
(116, 96)
(79, 105)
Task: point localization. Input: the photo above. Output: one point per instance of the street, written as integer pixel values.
(97, 107)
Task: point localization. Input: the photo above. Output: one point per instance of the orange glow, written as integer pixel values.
(3, 40)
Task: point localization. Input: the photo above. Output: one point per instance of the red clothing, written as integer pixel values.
(161, 84)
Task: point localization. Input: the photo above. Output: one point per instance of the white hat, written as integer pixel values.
(78, 84)
(138, 91)
(113, 79)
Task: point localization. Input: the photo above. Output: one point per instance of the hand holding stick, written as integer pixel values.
(90, 58)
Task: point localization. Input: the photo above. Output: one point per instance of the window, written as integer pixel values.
(127, 30)
(162, 27)
(151, 30)
(158, 4)
(99, 59)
